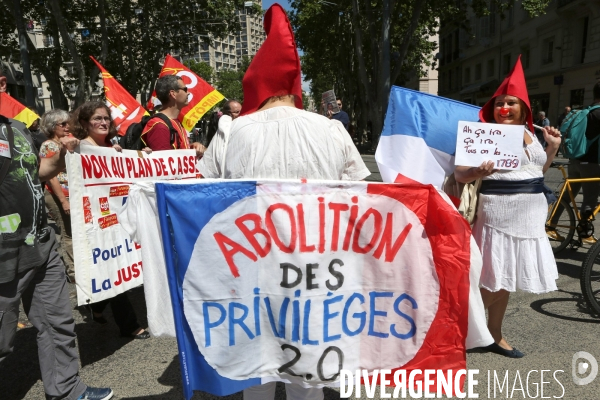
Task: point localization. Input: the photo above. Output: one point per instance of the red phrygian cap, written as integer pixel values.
(275, 69)
(513, 85)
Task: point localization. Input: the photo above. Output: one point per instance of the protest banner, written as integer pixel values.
(11, 108)
(292, 281)
(329, 102)
(201, 96)
(124, 109)
(107, 261)
(478, 142)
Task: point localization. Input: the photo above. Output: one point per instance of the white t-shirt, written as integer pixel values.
(210, 164)
(285, 142)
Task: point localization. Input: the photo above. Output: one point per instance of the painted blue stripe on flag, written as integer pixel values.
(432, 118)
(186, 209)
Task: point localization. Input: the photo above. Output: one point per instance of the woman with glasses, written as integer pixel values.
(92, 124)
(55, 125)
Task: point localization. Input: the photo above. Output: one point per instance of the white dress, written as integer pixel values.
(510, 231)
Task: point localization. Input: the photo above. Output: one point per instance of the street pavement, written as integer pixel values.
(549, 328)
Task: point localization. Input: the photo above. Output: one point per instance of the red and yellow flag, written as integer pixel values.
(124, 109)
(11, 108)
(202, 96)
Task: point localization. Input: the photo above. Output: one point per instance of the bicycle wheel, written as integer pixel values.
(590, 278)
(562, 228)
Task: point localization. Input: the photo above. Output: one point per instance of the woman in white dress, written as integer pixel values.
(510, 223)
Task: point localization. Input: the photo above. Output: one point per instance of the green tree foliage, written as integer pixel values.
(128, 37)
(361, 48)
(202, 69)
(229, 82)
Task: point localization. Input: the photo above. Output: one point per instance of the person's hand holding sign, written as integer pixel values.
(68, 142)
(465, 174)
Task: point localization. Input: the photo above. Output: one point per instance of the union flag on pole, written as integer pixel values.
(11, 108)
(202, 96)
(124, 109)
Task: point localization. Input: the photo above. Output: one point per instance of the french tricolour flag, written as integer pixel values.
(419, 136)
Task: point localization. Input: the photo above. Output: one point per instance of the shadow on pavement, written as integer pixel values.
(22, 363)
(579, 306)
(97, 341)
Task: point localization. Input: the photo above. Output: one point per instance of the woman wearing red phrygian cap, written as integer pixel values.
(275, 138)
(510, 223)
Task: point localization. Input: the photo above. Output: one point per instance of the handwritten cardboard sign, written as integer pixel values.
(478, 142)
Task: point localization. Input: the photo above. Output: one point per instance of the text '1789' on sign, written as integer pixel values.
(478, 142)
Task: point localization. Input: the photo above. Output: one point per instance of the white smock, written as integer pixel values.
(510, 231)
(210, 164)
(286, 142)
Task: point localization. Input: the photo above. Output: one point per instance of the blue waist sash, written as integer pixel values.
(535, 185)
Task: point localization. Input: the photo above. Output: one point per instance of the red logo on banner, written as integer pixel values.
(87, 210)
(107, 221)
(117, 191)
(104, 207)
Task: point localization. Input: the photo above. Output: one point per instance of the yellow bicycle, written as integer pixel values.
(564, 218)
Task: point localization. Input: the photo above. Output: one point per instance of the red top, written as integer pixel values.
(275, 69)
(513, 85)
(157, 135)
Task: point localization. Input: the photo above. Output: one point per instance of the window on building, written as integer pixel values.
(506, 64)
(455, 53)
(548, 51)
(510, 17)
(577, 98)
(458, 78)
(478, 71)
(586, 22)
(484, 27)
(491, 68)
(525, 57)
(450, 83)
(467, 75)
(492, 18)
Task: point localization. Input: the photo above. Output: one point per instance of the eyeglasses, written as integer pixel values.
(99, 120)
(339, 104)
(63, 124)
(185, 89)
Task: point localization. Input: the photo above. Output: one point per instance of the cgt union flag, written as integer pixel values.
(292, 281)
(202, 97)
(124, 109)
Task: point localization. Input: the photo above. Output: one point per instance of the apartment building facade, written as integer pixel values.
(560, 53)
(227, 53)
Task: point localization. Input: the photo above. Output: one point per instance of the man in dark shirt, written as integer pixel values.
(341, 116)
(30, 268)
(173, 94)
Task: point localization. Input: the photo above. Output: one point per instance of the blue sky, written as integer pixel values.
(286, 4)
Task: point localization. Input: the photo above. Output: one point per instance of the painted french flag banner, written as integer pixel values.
(293, 281)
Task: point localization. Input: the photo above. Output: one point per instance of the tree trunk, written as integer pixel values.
(52, 76)
(103, 42)
(133, 87)
(80, 95)
(23, 36)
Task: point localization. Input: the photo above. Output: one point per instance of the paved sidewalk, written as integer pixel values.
(549, 328)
